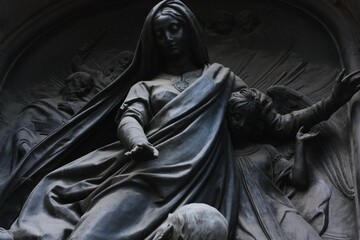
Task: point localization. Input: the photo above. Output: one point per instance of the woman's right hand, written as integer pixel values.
(143, 152)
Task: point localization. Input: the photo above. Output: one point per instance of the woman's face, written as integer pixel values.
(170, 37)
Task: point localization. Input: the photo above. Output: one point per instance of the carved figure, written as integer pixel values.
(330, 149)
(266, 177)
(77, 86)
(107, 71)
(222, 22)
(195, 221)
(174, 146)
(39, 119)
(247, 22)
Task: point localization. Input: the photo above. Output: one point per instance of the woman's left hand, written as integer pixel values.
(345, 87)
(303, 136)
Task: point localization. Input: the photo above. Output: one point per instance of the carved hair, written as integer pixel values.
(196, 221)
(83, 84)
(167, 11)
(147, 59)
(244, 100)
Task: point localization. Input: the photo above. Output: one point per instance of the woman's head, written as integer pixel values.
(171, 35)
(147, 53)
(244, 112)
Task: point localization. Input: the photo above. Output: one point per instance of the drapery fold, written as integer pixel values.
(103, 192)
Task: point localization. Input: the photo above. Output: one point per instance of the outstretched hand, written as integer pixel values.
(143, 152)
(303, 136)
(345, 87)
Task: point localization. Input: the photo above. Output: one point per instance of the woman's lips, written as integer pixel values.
(173, 47)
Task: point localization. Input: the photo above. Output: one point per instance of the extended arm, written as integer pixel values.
(287, 125)
(132, 118)
(132, 135)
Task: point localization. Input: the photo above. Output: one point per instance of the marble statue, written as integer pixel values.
(154, 140)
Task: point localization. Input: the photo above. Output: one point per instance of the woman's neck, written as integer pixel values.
(180, 66)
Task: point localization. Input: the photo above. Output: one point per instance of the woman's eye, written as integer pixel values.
(174, 28)
(158, 34)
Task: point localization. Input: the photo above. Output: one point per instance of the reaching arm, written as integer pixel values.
(132, 118)
(299, 177)
(132, 135)
(287, 125)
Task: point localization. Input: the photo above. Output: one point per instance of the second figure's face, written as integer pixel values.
(241, 123)
(170, 37)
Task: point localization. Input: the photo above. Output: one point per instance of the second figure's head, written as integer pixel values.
(244, 114)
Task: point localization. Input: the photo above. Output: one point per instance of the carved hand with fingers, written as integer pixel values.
(304, 136)
(345, 87)
(143, 151)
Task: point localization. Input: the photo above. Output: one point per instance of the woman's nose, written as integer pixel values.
(168, 36)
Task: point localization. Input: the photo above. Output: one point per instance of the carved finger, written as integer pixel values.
(300, 132)
(355, 81)
(307, 136)
(357, 88)
(313, 134)
(128, 154)
(151, 152)
(301, 129)
(341, 75)
(133, 152)
(350, 75)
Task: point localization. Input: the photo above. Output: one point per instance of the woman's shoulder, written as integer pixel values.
(238, 83)
(149, 82)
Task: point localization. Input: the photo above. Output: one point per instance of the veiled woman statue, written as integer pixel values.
(174, 146)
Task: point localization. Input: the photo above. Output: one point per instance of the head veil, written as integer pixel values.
(94, 126)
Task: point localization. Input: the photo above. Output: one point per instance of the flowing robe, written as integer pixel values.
(265, 210)
(104, 195)
(34, 123)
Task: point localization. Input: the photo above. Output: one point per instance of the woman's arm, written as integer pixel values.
(132, 136)
(299, 177)
(133, 116)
